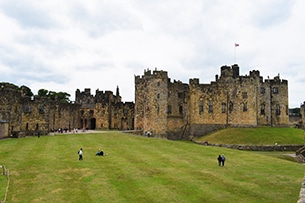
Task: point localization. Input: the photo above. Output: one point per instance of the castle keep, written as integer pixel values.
(176, 110)
(162, 108)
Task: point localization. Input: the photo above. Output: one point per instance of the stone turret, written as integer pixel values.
(230, 71)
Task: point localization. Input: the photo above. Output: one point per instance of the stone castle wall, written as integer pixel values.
(21, 114)
(173, 110)
(195, 109)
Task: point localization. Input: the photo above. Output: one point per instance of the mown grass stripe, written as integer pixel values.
(140, 169)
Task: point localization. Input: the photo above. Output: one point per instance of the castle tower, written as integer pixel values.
(273, 102)
(151, 94)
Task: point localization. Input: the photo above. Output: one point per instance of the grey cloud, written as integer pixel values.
(270, 13)
(101, 66)
(27, 15)
(104, 18)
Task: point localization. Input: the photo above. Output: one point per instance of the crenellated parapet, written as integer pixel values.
(194, 81)
(156, 74)
(277, 80)
(230, 71)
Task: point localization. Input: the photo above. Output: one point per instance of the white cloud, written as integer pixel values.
(69, 45)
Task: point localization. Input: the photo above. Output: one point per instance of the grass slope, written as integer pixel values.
(140, 169)
(256, 136)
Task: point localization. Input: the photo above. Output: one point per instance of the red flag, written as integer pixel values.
(236, 45)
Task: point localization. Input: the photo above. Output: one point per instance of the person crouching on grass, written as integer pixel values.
(99, 153)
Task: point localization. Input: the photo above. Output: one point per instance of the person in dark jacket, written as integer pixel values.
(223, 159)
(99, 153)
(219, 160)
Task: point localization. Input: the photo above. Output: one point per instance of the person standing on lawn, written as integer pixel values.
(223, 159)
(80, 154)
(219, 160)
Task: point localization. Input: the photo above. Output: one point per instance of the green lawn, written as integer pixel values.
(256, 136)
(141, 169)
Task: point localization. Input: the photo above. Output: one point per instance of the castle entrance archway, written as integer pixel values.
(92, 123)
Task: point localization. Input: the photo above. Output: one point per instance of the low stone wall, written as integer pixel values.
(302, 193)
(256, 147)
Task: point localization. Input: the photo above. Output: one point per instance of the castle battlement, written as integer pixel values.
(229, 71)
(277, 80)
(156, 74)
(254, 73)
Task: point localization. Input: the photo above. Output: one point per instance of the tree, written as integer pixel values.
(26, 91)
(42, 92)
(55, 96)
(52, 95)
(63, 96)
(295, 111)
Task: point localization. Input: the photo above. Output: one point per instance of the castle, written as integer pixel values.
(177, 111)
(162, 108)
(22, 115)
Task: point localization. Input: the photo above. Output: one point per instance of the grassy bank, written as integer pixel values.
(256, 136)
(140, 169)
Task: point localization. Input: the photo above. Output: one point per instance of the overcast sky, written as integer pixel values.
(64, 45)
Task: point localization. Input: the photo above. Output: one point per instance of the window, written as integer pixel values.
(245, 96)
(210, 106)
(158, 96)
(263, 109)
(244, 107)
(180, 95)
(158, 109)
(231, 106)
(181, 109)
(200, 106)
(275, 90)
(27, 109)
(223, 107)
(125, 111)
(262, 90)
(91, 112)
(115, 111)
(277, 109)
(169, 109)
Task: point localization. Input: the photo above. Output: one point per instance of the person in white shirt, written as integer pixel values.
(80, 154)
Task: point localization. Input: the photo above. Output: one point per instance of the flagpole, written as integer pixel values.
(235, 45)
(234, 54)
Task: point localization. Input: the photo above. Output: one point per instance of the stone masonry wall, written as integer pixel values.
(230, 100)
